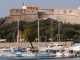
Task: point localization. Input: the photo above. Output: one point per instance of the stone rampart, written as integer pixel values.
(35, 44)
(32, 13)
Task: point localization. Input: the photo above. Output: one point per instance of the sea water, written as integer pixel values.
(31, 58)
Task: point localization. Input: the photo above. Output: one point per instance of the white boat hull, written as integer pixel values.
(59, 54)
(28, 55)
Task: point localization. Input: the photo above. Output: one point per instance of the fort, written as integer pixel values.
(31, 13)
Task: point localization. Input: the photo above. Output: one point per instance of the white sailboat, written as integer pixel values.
(18, 54)
(28, 54)
(40, 54)
(9, 52)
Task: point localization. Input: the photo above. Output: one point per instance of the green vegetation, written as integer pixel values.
(29, 30)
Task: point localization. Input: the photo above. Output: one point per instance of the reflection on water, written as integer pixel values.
(31, 58)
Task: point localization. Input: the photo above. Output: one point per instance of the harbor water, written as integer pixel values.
(31, 58)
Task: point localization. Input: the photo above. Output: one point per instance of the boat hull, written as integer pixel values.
(18, 54)
(42, 55)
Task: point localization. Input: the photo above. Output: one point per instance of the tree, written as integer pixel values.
(47, 32)
(2, 20)
(70, 33)
(9, 37)
(75, 38)
(64, 34)
(21, 25)
(29, 35)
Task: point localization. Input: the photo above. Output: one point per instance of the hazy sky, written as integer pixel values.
(5, 5)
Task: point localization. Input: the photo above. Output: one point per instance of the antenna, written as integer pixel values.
(23, 4)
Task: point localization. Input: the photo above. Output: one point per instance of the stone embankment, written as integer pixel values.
(35, 44)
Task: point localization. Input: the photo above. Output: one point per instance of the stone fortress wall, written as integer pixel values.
(32, 13)
(45, 13)
(68, 15)
(27, 13)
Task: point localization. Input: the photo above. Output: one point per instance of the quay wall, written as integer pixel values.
(35, 44)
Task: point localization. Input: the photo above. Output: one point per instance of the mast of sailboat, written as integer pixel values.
(51, 36)
(18, 35)
(38, 35)
(59, 31)
(58, 26)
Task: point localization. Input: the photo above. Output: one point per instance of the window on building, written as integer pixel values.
(16, 10)
(70, 11)
(28, 7)
(64, 11)
(11, 10)
(36, 8)
(23, 10)
(31, 7)
(20, 11)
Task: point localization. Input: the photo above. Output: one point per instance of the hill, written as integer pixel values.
(48, 29)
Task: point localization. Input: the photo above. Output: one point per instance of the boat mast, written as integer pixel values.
(58, 25)
(59, 31)
(18, 35)
(51, 36)
(38, 35)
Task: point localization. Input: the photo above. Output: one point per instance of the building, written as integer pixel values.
(32, 13)
(27, 13)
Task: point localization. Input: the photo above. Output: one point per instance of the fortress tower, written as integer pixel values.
(27, 13)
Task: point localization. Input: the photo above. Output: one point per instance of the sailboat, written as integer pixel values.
(9, 52)
(25, 53)
(40, 54)
(18, 53)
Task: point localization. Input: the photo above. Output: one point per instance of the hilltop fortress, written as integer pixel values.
(32, 13)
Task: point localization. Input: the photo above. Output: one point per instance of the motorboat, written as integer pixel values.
(52, 54)
(55, 46)
(43, 49)
(69, 53)
(59, 54)
(78, 54)
(75, 47)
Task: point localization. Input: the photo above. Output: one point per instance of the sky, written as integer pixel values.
(5, 5)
